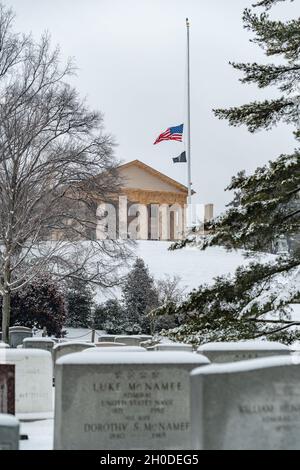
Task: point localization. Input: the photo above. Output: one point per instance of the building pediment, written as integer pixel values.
(137, 175)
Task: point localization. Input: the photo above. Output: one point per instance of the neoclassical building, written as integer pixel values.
(151, 206)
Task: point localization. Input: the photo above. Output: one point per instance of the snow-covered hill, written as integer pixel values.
(194, 266)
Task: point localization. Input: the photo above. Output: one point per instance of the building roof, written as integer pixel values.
(156, 173)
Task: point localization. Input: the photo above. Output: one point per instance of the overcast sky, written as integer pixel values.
(131, 56)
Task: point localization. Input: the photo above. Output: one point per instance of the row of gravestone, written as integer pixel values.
(20, 336)
(129, 398)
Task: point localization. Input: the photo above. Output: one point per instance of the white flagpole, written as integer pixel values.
(188, 131)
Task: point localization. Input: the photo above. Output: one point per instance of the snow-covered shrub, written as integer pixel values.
(110, 317)
(40, 303)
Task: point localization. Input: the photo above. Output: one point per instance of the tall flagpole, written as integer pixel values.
(188, 132)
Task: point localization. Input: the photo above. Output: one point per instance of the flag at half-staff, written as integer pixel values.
(172, 133)
(181, 158)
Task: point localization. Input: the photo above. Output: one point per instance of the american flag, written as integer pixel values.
(173, 133)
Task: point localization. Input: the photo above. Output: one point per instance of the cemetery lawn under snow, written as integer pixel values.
(194, 266)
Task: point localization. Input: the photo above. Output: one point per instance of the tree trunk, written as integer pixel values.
(6, 316)
(93, 335)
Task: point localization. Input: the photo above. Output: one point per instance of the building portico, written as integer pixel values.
(151, 206)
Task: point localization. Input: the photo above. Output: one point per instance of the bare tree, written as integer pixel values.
(170, 289)
(56, 164)
(12, 45)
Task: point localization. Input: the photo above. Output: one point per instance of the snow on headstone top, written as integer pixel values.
(129, 340)
(106, 338)
(19, 354)
(243, 346)
(125, 357)
(19, 328)
(130, 336)
(38, 340)
(118, 349)
(173, 347)
(68, 344)
(8, 420)
(248, 365)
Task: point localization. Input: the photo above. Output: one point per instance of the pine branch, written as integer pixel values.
(292, 214)
(283, 322)
(268, 3)
(274, 37)
(267, 333)
(287, 76)
(260, 115)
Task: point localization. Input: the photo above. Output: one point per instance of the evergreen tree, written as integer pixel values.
(110, 317)
(265, 206)
(140, 297)
(80, 304)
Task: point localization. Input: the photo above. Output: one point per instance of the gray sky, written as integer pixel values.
(131, 56)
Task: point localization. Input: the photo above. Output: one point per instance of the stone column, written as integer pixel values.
(154, 221)
(106, 222)
(123, 220)
(176, 221)
(138, 227)
(164, 222)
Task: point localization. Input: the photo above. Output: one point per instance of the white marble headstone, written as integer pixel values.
(242, 350)
(124, 400)
(9, 432)
(247, 405)
(33, 381)
(46, 344)
(129, 340)
(17, 334)
(106, 338)
(70, 347)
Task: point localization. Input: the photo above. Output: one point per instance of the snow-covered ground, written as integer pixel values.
(39, 433)
(194, 266)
